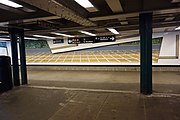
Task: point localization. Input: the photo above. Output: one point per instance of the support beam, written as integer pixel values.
(14, 49)
(58, 9)
(145, 27)
(156, 12)
(119, 27)
(22, 56)
(115, 6)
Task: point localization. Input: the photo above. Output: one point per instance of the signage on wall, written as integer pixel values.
(94, 39)
(105, 39)
(57, 41)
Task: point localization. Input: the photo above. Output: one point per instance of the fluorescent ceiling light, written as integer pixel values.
(61, 34)
(84, 3)
(169, 18)
(124, 23)
(3, 32)
(42, 36)
(10, 3)
(88, 33)
(178, 28)
(113, 31)
(4, 39)
(30, 38)
(92, 9)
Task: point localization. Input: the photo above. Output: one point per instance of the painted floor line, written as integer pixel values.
(82, 89)
(164, 95)
(102, 90)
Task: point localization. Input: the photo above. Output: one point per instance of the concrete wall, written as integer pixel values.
(98, 68)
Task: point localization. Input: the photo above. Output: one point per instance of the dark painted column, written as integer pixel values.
(145, 27)
(13, 37)
(22, 56)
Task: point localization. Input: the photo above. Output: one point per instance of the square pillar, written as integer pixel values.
(145, 28)
(14, 49)
(22, 56)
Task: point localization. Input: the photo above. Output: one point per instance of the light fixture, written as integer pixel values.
(84, 3)
(3, 32)
(124, 23)
(88, 33)
(178, 28)
(113, 31)
(169, 19)
(10, 3)
(61, 34)
(28, 10)
(42, 36)
(30, 38)
(4, 39)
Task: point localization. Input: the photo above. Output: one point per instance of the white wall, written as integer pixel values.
(168, 45)
(168, 49)
(3, 51)
(6, 51)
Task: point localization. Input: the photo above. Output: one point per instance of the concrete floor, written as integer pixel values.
(92, 95)
(163, 82)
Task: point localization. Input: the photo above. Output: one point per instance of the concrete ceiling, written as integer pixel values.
(67, 16)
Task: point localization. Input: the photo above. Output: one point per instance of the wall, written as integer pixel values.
(93, 45)
(6, 51)
(168, 49)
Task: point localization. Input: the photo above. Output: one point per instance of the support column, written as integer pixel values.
(22, 56)
(145, 27)
(14, 50)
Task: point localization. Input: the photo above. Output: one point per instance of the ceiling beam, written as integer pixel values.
(74, 6)
(115, 5)
(58, 9)
(115, 16)
(135, 14)
(24, 21)
(41, 18)
(120, 27)
(28, 21)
